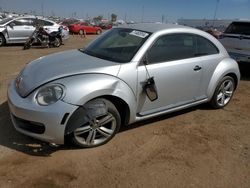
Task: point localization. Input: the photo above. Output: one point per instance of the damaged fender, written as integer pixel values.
(87, 113)
(87, 87)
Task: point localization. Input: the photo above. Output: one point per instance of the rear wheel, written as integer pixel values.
(57, 42)
(2, 40)
(98, 130)
(223, 92)
(98, 32)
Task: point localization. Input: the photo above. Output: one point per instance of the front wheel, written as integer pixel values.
(98, 130)
(2, 40)
(223, 92)
(27, 44)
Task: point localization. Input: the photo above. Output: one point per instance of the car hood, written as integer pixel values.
(63, 64)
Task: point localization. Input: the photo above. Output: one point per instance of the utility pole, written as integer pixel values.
(215, 12)
(142, 16)
(42, 9)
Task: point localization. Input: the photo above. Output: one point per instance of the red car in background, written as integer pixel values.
(82, 27)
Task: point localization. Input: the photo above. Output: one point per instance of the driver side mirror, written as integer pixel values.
(150, 89)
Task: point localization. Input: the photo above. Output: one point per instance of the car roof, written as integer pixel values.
(154, 27)
(34, 17)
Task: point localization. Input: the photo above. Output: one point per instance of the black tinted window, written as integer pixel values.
(180, 46)
(172, 47)
(239, 28)
(47, 23)
(205, 47)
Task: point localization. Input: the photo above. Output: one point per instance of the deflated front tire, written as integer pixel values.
(98, 130)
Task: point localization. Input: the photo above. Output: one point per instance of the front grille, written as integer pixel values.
(29, 126)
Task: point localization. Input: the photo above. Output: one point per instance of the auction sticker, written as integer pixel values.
(140, 34)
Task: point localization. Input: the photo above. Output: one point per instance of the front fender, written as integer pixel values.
(225, 67)
(3, 30)
(82, 88)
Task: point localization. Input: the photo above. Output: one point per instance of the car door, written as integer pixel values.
(176, 69)
(19, 30)
(49, 26)
(88, 28)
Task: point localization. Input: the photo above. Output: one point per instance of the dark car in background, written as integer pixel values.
(236, 39)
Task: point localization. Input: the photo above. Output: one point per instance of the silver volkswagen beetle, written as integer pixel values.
(127, 74)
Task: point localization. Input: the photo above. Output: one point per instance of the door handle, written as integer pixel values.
(197, 68)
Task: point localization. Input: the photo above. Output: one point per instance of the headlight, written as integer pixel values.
(49, 94)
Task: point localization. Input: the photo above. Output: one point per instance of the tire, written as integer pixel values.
(57, 42)
(27, 45)
(2, 40)
(81, 32)
(98, 32)
(97, 134)
(223, 93)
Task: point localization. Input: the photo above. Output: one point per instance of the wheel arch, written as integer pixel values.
(121, 106)
(227, 67)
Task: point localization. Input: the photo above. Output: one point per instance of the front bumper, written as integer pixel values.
(48, 121)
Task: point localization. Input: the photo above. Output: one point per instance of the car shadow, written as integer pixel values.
(244, 70)
(12, 139)
(166, 116)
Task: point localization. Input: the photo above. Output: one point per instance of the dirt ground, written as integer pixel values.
(198, 147)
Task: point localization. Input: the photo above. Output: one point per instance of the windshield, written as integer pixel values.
(5, 21)
(118, 45)
(242, 28)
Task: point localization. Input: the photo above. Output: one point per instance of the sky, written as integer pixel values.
(136, 10)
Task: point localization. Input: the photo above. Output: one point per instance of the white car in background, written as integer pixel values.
(18, 30)
(236, 39)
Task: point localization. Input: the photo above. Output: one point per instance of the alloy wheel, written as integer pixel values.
(225, 92)
(97, 131)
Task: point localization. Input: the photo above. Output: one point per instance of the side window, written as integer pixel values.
(16, 23)
(84, 24)
(205, 47)
(47, 23)
(21, 22)
(173, 47)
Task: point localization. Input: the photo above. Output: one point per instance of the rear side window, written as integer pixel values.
(45, 23)
(180, 46)
(205, 47)
(242, 28)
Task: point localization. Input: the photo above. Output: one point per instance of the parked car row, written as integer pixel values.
(84, 27)
(18, 30)
(236, 38)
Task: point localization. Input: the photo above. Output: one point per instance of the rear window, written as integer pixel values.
(242, 28)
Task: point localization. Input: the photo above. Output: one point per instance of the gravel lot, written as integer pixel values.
(198, 147)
